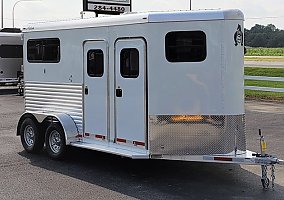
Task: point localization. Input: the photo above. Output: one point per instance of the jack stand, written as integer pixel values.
(264, 177)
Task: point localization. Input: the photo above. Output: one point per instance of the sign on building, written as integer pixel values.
(114, 7)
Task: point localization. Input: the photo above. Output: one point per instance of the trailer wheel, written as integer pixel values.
(31, 138)
(55, 141)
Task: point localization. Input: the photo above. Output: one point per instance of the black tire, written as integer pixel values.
(31, 137)
(55, 142)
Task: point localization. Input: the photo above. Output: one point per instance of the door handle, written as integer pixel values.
(86, 90)
(118, 92)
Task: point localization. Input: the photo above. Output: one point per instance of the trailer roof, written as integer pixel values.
(6, 34)
(138, 18)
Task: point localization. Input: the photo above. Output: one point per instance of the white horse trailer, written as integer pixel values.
(11, 57)
(161, 85)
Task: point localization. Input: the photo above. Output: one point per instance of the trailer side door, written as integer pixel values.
(130, 92)
(95, 90)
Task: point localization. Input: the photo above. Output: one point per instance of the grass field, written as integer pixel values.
(269, 72)
(268, 59)
(272, 84)
(260, 95)
(265, 52)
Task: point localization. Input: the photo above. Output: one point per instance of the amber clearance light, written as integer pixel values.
(182, 118)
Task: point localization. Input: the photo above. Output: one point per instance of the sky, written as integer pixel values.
(256, 11)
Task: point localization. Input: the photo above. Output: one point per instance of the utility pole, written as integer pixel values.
(2, 14)
(189, 4)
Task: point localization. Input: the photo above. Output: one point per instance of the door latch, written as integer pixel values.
(86, 90)
(118, 92)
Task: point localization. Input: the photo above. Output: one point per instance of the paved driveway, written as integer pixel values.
(92, 175)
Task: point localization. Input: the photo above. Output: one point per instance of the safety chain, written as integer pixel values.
(264, 178)
(272, 176)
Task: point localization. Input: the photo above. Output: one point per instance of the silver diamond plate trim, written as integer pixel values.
(210, 135)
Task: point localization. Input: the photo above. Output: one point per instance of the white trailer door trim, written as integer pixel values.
(130, 92)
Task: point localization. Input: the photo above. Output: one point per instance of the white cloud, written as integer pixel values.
(154, 5)
(29, 11)
(256, 11)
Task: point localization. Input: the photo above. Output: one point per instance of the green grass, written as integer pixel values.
(269, 72)
(261, 95)
(272, 84)
(265, 59)
(265, 52)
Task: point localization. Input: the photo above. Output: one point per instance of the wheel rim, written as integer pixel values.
(55, 141)
(29, 135)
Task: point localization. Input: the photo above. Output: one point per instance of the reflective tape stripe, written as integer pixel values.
(121, 140)
(97, 136)
(79, 136)
(139, 143)
(223, 159)
(100, 137)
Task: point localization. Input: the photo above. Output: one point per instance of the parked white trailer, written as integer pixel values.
(161, 85)
(11, 56)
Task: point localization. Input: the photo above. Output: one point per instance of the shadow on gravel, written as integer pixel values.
(158, 179)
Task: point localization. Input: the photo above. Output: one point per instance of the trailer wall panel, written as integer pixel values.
(55, 98)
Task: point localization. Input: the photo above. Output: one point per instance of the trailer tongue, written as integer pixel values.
(252, 158)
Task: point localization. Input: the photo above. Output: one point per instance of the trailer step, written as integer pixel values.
(114, 149)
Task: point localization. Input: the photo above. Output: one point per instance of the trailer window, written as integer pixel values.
(44, 50)
(11, 51)
(185, 46)
(95, 63)
(129, 63)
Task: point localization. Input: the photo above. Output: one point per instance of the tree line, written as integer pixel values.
(264, 36)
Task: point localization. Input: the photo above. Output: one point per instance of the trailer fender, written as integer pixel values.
(65, 120)
(22, 118)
